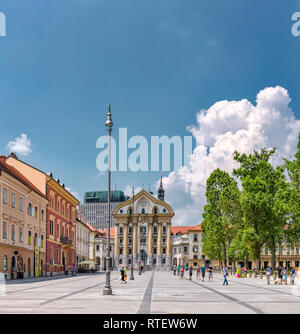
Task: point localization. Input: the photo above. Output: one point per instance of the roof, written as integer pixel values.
(20, 177)
(184, 229)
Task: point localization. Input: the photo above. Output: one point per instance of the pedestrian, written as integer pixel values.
(285, 276)
(268, 274)
(293, 276)
(210, 272)
(203, 269)
(279, 275)
(178, 270)
(225, 273)
(198, 271)
(191, 272)
(181, 272)
(67, 271)
(142, 267)
(123, 274)
(174, 270)
(73, 270)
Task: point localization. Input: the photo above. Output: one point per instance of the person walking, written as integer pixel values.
(198, 271)
(191, 272)
(123, 274)
(293, 276)
(181, 272)
(268, 274)
(178, 270)
(73, 270)
(225, 273)
(210, 272)
(285, 276)
(203, 269)
(174, 270)
(279, 269)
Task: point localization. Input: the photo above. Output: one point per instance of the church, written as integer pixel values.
(143, 231)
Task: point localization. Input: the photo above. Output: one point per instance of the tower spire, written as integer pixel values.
(161, 191)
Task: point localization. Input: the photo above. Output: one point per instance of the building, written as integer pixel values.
(95, 207)
(187, 246)
(60, 217)
(22, 225)
(143, 231)
(82, 240)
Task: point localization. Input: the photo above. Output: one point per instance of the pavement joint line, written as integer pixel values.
(145, 306)
(260, 287)
(250, 307)
(42, 286)
(73, 293)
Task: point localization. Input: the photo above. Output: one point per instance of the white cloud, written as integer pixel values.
(128, 190)
(21, 145)
(228, 126)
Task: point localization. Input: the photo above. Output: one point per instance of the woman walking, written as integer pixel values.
(210, 272)
(225, 273)
(181, 272)
(191, 272)
(293, 276)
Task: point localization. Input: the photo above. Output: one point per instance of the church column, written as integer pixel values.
(168, 259)
(134, 242)
(125, 242)
(159, 245)
(116, 246)
(150, 243)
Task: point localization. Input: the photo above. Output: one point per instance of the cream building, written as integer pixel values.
(143, 231)
(82, 239)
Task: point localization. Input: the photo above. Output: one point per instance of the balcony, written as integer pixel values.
(66, 242)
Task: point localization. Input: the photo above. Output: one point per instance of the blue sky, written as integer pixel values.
(158, 62)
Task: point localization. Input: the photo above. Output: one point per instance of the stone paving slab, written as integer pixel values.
(151, 292)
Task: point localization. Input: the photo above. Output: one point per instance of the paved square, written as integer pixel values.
(151, 292)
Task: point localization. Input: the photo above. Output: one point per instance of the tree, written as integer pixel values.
(264, 210)
(220, 214)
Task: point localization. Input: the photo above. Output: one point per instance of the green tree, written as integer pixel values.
(264, 210)
(220, 214)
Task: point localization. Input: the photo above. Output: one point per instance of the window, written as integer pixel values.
(121, 251)
(35, 212)
(266, 251)
(164, 229)
(164, 210)
(164, 251)
(121, 211)
(51, 227)
(57, 230)
(297, 250)
(5, 263)
(21, 235)
(4, 195)
(155, 210)
(13, 233)
(29, 237)
(42, 215)
(29, 209)
(195, 237)
(195, 249)
(13, 200)
(195, 257)
(155, 229)
(42, 241)
(58, 207)
(4, 230)
(21, 204)
(121, 230)
(154, 250)
(195, 264)
(97, 247)
(129, 250)
(143, 211)
(185, 249)
(280, 250)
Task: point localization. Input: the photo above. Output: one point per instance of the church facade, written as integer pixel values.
(143, 231)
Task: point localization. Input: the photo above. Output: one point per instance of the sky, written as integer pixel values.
(225, 70)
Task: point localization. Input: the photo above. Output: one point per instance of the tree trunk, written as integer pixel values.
(224, 255)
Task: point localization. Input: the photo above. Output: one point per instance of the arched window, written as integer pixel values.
(143, 211)
(155, 210)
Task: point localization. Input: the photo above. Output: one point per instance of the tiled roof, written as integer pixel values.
(184, 229)
(15, 173)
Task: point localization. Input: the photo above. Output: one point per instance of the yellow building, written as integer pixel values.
(143, 231)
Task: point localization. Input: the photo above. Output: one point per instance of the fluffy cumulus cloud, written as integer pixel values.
(21, 145)
(225, 127)
(128, 190)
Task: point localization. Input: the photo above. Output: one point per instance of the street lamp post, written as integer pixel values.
(107, 289)
(132, 222)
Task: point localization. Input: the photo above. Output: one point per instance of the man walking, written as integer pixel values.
(225, 273)
(191, 272)
(268, 274)
(210, 272)
(181, 272)
(198, 271)
(203, 268)
(174, 270)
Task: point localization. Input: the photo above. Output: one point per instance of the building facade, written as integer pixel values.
(82, 240)
(143, 232)
(60, 217)
(22, 225)
(95, 207)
